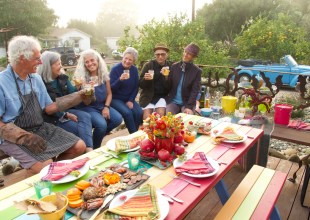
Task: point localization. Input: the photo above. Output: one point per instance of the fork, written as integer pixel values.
(190, 182)
(170, 197)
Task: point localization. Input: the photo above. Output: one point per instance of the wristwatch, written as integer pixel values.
(107, 106)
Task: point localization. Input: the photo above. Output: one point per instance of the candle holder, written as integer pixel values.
(133, 160)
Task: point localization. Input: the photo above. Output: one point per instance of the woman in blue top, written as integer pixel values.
(125, 89)
(104, 118)
(58, 85)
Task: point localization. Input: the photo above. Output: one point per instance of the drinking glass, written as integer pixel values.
(43, 188)
(94, 80)
(126, 72)
(151, 72)
(133, 160)
(166, 70)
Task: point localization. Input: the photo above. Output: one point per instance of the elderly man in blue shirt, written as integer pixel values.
(23, 98)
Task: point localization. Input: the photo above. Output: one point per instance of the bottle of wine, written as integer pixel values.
(202, 97)
(207, 98)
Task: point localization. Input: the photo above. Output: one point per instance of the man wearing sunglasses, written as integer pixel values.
(184, 82)
(152, 82)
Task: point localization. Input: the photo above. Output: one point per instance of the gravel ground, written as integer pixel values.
(289, 149)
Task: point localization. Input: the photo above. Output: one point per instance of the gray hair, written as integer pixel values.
(22, 45)
(45, 69)
(81, 70)
(132, 51)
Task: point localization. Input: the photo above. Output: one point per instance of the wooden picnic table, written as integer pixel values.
(159, 178)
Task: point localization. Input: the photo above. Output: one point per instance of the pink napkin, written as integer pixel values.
(299, 125)
(58, 170)
(198, 164)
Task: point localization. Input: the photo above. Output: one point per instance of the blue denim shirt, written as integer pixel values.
(10, 104)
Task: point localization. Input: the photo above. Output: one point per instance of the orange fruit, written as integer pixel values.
(188, 137)
(73, 198)
(76, 203)
(82, 184)
(73, 191)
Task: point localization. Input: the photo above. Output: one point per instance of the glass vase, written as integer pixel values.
(164, 143)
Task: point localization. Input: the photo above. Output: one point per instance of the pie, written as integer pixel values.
(228, 134)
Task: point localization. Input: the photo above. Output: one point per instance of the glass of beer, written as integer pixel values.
(166, 70)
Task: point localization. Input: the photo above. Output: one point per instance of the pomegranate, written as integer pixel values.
(179, 149)
(163, 155)
(147, 145)
(178, 139)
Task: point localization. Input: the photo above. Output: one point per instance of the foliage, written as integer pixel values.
(30, 17)
(177, 32)
(224, 18)
(271, 39)
(3, 62)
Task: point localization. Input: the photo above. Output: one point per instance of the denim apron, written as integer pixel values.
(31, 120)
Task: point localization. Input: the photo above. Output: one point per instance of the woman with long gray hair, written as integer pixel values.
(58, 84)
(92, 68)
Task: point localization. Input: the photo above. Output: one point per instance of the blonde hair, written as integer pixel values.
(81, 70)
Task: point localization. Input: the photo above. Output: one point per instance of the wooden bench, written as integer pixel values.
(255, 197)
(284, 133)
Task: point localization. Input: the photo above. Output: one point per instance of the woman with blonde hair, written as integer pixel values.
(93, 69)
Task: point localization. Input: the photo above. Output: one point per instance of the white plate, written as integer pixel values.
(162, 202)
(244, 137)
(214, 164)
(111, 144)
(69, 177)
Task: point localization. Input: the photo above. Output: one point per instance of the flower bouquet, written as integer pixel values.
(166, 135)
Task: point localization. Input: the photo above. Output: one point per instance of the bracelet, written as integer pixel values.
(107, 106)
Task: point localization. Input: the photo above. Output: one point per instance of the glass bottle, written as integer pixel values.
(202, 97)
(207, 98)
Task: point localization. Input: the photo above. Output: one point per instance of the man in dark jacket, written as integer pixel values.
(152, 82)
(184, 83)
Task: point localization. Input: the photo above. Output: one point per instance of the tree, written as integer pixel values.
(115, 16)
(177, 32)
(31, 17)
(224, 18)
(271, 39)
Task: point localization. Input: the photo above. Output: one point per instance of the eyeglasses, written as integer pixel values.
(160, 54)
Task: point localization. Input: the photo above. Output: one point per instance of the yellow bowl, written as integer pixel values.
(229, 104)
(55, 215)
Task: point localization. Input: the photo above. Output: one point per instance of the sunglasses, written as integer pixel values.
(160, 54)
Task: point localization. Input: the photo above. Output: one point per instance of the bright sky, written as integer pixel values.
(88, 9)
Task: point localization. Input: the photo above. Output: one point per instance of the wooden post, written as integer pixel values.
(193, 10)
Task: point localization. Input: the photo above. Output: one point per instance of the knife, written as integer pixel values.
(106, 201)
(113, 155)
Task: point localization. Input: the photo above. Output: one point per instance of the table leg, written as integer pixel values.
(222, 191)
(275, 215)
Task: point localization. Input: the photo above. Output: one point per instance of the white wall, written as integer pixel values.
(2, 52)
(112, 42)
(84, 42)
